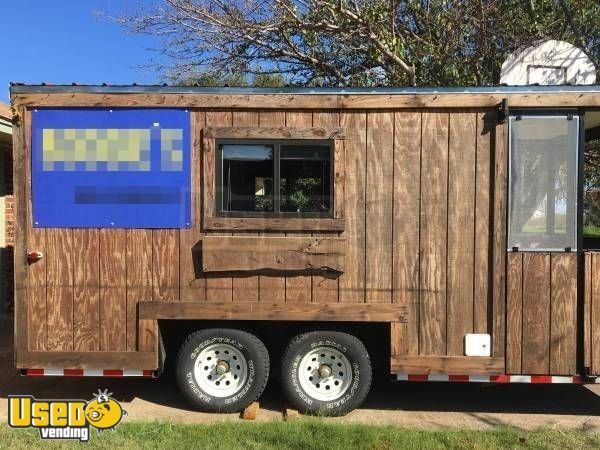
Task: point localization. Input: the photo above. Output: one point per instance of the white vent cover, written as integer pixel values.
(478, 344)
(548, 63)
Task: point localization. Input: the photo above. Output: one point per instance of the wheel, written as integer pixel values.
(222, 370)
(326, 372)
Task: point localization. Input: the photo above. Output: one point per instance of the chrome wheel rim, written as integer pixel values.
(221, 370)
(325, 373)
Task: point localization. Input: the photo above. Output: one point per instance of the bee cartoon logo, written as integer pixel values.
(65, 419)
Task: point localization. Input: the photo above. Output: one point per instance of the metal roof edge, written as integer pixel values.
(16, 88)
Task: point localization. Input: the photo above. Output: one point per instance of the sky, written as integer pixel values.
(65, 41)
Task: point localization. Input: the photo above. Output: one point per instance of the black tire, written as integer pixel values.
(257, 369)
(347, 345)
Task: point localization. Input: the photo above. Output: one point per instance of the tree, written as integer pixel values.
(361, 42)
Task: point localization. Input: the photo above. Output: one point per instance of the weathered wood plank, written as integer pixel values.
(433, 233)
(271, 286)
(499, 244)
(325, 285)
(231, 253)
(407, 174)
(117, 360)
(192, 284)
(59, 279)
(245, 127)
(352, 282)
(272, 224)
(165, 265)
(563, 320)
(536, 313)
(113, 291)
(31, 327)
(245, 286)
(353, 312)
(139, 288)
(514, 299)
(461, 229)
(587, 309)
(308, 101)
(298, 288)
(219, 287)
(379, 205)
(447, 365)
(399, 344)
(481, 280)
(86, 309)
(595, 315)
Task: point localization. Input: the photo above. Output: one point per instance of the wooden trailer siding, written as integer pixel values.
(407, 242)
(542, 313)
(591, 316)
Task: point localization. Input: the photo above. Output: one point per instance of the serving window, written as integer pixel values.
(273, 178)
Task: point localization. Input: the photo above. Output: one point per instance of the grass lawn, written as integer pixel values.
(303, 434)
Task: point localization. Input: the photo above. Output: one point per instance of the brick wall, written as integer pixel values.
(9, 216)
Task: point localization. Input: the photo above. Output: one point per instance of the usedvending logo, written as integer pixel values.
(65, 419)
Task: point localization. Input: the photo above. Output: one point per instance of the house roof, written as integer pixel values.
(5, 112)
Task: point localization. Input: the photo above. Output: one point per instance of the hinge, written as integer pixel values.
(503, 111)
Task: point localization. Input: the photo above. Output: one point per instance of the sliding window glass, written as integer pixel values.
(543, 182)
(274, 178)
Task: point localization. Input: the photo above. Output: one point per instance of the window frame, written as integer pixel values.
(578, 173)
(215, 219)
(276, 144)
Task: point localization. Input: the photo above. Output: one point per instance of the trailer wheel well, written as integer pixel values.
(277, 334)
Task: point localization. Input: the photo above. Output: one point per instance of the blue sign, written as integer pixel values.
(122, 168)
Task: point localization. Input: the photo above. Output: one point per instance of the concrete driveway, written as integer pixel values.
(428, 405)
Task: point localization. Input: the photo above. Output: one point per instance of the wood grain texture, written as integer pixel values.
(113, 291)
(245, 286)
(379, 206)
(250, 253)
(245, 126)
(305, 101)
(353, 312)
(298, 288)
(59, 298)
(192, 284)
(563, 314)
(31, 326)
(461, 229)
(407, 174)
(595, 315)
(482, 259)
(499, 239)
(218, 287)
(272, 286)
(88, 360)
(325, 285)
(399, 344)
(514, 300)
(165, 265)
(454, 365)
(434, 194)
(86, 302)
(587, 309)
(272, 224)
(352, 282)
(536, 313)
(139, 289)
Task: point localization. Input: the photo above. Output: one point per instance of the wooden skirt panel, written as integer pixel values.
(446, 365)
(542, 313)
(87, 360)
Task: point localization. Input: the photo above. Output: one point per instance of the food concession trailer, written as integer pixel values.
(436, 234)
